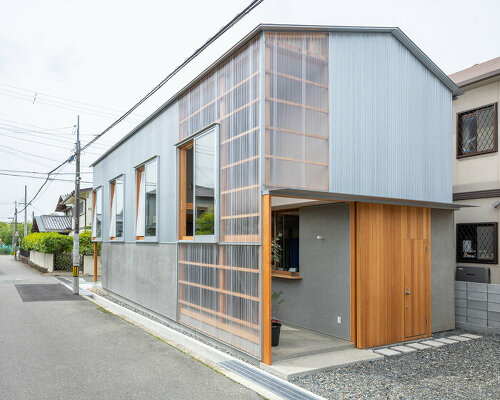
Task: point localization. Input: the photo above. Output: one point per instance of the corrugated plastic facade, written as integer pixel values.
(219, 283)
(391, 121)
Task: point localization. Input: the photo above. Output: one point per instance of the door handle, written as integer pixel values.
(407, 291)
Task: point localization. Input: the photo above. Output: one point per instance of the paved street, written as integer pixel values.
(73, 350)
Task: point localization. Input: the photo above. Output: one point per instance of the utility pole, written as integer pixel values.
(25, 210)
(15, 230)
(76, 215)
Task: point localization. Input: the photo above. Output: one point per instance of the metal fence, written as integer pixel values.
(24, 253)
(477, 243)
(64, 262)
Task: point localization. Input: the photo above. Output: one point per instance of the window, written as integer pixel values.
(146, 211)
(198, 186)
(116, 222)
(477, 131)
(82, 207)
(477, 243)
(285, 245)
(97, 215)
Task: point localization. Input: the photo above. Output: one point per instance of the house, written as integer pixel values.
(476, 165)
(335, 143)
(52, 223)
(66, 205)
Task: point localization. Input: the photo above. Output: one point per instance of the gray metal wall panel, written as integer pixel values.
(391, 123)
(157, 138)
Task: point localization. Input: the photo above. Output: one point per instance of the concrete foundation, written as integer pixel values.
(43, 260)
(88, 265)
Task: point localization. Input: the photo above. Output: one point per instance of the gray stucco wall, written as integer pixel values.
(442, 270)
(145, 273)
(323, 294)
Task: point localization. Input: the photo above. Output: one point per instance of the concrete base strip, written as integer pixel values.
(293, 368)
(194, 348)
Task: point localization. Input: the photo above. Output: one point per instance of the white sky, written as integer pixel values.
(109, 54)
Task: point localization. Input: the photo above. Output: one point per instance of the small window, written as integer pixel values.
(477, 131)
(82, 207)
(146, 212)
(198, 187)
(477, 243)
(285, 245)
(117, 208)
(97, 215)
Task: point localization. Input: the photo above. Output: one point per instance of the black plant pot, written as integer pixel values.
(276, 329)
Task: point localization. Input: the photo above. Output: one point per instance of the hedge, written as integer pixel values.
(48, 242)
(52, 242)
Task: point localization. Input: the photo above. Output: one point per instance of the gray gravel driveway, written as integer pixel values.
(466, 370)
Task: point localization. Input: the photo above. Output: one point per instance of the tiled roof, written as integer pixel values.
(53, 223)
(477, 72)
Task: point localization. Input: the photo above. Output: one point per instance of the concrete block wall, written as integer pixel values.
(477, 306)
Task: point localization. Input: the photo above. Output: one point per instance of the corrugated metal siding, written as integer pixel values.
(157, 138)
(390, 121)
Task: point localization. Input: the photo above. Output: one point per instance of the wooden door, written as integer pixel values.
(416, 279)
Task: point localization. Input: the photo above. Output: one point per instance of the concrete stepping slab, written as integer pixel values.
(446, 340)
(459, 338)
(403, 349)
(471, 336)
(418, 346)
(432, 343)
(387, 352)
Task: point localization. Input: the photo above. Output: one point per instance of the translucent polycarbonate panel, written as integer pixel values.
(297, 110)
(219, 292)
(230, 96)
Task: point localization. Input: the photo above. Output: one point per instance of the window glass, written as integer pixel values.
(151, 179)
(205, 184)
(119, 206)
(98, 213)
(476, 243)
(477, 131)
(285, 246)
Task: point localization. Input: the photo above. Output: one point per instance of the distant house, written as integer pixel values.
(66, 205)
(52, 223)
(476, 165)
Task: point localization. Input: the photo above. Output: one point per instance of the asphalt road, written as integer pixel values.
(74, 350)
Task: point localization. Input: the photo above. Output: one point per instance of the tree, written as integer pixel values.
(205, 223)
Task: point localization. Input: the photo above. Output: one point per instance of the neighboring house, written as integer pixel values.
(66, 205)
(52, 223)
(476, 165)
(334, 142)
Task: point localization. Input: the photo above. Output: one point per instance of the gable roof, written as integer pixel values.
(395, 31)
(477, 72)
(53, 223)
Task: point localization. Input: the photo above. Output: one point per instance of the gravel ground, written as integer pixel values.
(466, 370)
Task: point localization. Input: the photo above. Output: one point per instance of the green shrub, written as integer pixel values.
(48, 242)
(86, 245)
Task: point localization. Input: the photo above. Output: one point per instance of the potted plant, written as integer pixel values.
(276, 301)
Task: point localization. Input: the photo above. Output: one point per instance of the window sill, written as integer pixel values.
(286, 275)
(147, 239)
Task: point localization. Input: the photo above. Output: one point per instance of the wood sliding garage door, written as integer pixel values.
(393, 272)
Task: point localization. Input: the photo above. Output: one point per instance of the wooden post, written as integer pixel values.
(95, 261)
(266, 279)
(353, 272)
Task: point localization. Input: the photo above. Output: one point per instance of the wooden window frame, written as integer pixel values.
(275, 273)
(112, 185)
(476, 260)
(94, 202)
(139, 170)
(138, 175)
(183, 204)
(474, 111)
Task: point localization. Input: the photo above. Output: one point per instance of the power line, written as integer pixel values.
(226, 27)
(41, 173)
(221, 31)
(40, 177)
(25, 152)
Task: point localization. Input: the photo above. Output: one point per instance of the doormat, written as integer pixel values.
(45, 292)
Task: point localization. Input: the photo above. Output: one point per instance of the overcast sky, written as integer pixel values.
(97, 58)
